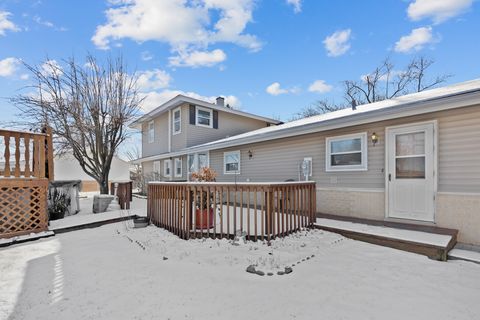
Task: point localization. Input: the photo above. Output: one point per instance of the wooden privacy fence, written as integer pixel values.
(257, 210)
(26, 166)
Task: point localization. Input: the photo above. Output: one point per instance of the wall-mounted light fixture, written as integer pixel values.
(374, 139)
(250, 154)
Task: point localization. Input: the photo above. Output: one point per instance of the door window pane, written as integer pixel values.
(202, 160)
(410, 168)
(410, 144)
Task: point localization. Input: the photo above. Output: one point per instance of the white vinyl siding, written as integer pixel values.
(346, 153)
(203, 117)
(167, 168)
(177, 121)
(178, 168)
(231, 162)
(151, 131)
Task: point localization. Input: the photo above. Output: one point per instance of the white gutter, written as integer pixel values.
(454, 101)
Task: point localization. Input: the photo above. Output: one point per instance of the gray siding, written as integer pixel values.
(148, 169)
(160, 143)
(179, 141)
(228, 125)
(278, 160)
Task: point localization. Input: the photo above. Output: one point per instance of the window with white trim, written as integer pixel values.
(177, 121)
(167, 168)
(151, 131)
(203, 117)
(156, 170)
(178, 167)
(346, 153)
(196, 161)
(231, 162)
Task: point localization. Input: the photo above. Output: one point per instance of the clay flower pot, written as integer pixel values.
(204, 218)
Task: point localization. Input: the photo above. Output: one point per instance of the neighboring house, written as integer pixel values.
(183, 122)
(66, 167)
(413, 159)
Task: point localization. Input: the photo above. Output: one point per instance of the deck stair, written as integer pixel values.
(464, 254)
(434, 242)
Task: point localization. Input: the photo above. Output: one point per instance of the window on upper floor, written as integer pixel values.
(177, 121)
(347, 153)
(151, 131)
(204, 117)
(231, 162)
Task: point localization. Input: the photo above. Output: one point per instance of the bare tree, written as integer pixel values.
(87, 106)
(318, 107)
(384, 82)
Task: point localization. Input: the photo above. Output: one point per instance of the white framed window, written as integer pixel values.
(156, 170)
(167, 168)
(231, 162)
(177, 121)
(203, 117)
(346, 153)
(151, 131)
(178, 167)
(196, 161)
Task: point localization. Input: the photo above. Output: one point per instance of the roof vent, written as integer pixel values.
(221, 101)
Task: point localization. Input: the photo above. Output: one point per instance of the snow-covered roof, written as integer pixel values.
(406, 105)
(449, 97)
(180, 99)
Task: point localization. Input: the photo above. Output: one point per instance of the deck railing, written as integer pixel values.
(26, 154)
(255, 210)
(26, 166)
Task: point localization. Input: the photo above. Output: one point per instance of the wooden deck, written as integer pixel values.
(433, 250)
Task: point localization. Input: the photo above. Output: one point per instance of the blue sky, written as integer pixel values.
(270, 57)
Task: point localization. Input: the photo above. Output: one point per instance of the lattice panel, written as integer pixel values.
(23, 207)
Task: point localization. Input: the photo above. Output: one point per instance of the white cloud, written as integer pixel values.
(6, 24)
(275, 89)
(188, 26)
(50, 67)
(154, 99)
(320, 86)
(416, 40)
(8, 66)
(146, 56)
(337, 43)
(198, 58)
(297, 5)
(438, 10)
(153, 80)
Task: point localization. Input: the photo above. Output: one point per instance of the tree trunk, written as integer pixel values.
(103, 186)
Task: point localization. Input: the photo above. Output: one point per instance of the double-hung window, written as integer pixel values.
(167, 168)
(178, 167)
(177, 121)
(203, 117)
(231, 162)
(151, 131)
(346, 153)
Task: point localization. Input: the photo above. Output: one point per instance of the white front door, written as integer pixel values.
(410, 172)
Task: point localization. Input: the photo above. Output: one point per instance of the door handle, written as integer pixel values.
(389, 177)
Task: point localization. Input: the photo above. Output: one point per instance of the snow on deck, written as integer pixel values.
(439, 240)
(463, 254)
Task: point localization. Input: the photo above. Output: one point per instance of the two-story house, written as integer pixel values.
(182, 122)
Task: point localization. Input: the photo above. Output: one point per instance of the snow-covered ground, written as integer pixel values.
(116, 272)
(137, 207)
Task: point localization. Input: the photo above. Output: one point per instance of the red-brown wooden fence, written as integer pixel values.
(257, 210)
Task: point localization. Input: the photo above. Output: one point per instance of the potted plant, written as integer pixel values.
(58, 204)
(203, 211)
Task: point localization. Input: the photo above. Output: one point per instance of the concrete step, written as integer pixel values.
(465, 255)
